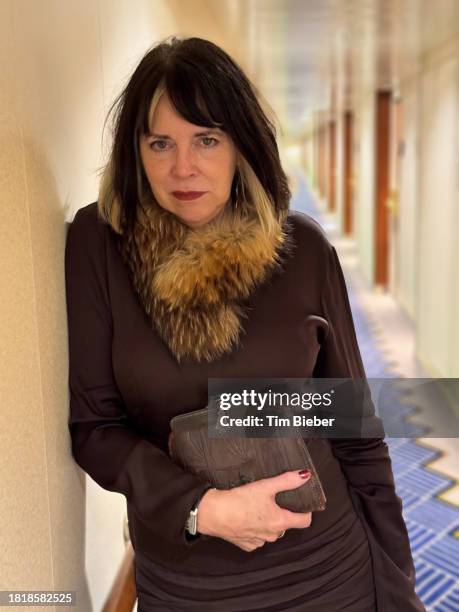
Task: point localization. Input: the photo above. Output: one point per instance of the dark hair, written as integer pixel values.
(208, 88)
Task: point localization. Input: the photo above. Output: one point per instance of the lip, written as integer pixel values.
(188, 195)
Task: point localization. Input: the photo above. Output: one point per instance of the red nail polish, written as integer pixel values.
(304, 473)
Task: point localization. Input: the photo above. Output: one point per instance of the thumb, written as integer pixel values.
(288, 480)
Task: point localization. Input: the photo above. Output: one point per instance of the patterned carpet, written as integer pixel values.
(432, 523)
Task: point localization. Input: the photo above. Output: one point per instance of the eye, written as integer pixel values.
(207, 138)
(158, 142)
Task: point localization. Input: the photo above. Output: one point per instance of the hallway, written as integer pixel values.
(425, 471)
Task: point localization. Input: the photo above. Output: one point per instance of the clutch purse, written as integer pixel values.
(229, 462)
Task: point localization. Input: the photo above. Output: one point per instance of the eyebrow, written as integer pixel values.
(205, 133)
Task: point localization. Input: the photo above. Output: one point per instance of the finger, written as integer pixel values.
(272, 537)
(256, 541)
(287, 480)
(298, 520)
(247, 546)
(253, 542)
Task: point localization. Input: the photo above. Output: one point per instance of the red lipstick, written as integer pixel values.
(188, 195)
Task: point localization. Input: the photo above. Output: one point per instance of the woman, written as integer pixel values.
(188, 267)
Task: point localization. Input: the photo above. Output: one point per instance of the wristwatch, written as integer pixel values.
(192, 521)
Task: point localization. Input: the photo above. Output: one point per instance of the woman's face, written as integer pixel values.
(179, 156)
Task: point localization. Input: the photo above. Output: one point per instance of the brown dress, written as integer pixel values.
(125, 386)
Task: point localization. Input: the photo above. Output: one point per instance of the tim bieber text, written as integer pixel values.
(273, 420)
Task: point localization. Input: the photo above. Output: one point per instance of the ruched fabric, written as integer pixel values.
(329, 575)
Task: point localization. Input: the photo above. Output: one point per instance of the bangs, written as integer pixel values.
(192, 98)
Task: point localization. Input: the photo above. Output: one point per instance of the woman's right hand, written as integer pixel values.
(248, 515)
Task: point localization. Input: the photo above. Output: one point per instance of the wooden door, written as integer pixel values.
(348, 176)
(382, 187)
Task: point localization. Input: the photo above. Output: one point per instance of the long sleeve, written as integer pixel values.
(365, 462)
(104, 443)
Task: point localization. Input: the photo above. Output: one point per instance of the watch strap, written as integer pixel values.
(192, 521)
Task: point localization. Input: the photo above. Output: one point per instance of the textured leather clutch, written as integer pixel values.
(230, 462)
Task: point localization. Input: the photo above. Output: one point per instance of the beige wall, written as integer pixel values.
(61, 64)
(438, 204)
(365, 176)
(405, 235)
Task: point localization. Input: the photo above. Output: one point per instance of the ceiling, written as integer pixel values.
(316, 55)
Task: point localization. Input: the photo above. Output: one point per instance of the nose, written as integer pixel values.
(184, 162)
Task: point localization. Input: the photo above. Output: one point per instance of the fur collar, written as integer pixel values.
(193, 282)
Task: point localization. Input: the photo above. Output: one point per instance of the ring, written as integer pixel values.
(281, 535)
